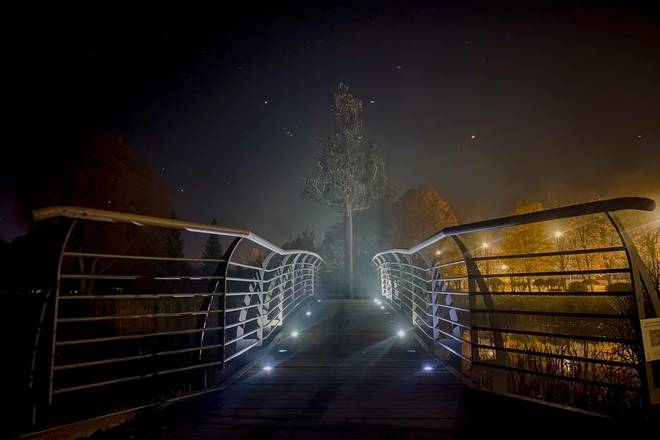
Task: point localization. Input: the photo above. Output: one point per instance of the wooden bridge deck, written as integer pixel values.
(347, 375)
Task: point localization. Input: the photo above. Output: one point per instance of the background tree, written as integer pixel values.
(525, 239)
(419, 213)
(212, 250)
(305, 240)
(173, 248)
(351, 174)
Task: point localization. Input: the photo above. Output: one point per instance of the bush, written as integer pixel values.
(577, 286)
(619, 287)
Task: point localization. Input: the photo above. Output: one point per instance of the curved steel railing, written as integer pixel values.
(133, 322)
(546, 304)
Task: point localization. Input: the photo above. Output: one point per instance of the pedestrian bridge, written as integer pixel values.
(474, 323)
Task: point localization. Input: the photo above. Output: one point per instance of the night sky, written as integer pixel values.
(487, 104)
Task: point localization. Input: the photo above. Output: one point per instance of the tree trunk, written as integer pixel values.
(348, 254)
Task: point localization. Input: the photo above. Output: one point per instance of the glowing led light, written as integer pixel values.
(268, 368)
(294, 334)
(401, 333)
(438, 252)
(308, 313)
(318, 300)
(428, 368)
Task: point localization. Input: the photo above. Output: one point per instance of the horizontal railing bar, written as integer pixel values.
(554, 273)
(237, 324)
(251, 306)
(285, 274)
(140, 257)
(452, 351)
(551, 253)
(447, 292)
(140, 296)
(448, 263)
(585, 294)
(558, 314)
(133, 358)
(247, 266)
(131, 378)
(146, 315)
(558, 376)
(240, 337)
(456, 323)
(455, 338)
(137, 336)
(240, 352)
(423, 331)
(557, 335)
(413, 293)
(275, 287)
(69, 276)
(559, 356)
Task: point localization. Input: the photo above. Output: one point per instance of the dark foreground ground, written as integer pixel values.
(348, 375)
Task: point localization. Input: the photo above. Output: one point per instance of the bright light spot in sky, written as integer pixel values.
(428, 368)
(401, 333)
(268, 368)
(308, 313)
(294, 334)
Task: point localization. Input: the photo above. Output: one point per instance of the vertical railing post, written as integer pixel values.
(476, 282)
(224, 286)
(433, 295)
(264, 297)
(281, 281)
(412, 286)
(646, 297)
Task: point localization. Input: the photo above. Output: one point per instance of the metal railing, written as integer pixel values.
(546, 304)
(130, 321)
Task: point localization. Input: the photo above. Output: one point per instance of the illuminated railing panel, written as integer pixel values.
(128, 324)
(545, 305)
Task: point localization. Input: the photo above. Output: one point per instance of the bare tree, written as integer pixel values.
(351, 174)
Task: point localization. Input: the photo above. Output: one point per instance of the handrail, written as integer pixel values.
(102, 215)
(609, 205)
